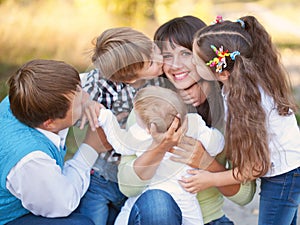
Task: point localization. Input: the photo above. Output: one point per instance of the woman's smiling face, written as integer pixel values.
(178, 66)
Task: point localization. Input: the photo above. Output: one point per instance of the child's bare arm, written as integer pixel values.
(97, 140)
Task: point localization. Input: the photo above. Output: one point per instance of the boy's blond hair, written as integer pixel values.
(120, 52)
(159, 105)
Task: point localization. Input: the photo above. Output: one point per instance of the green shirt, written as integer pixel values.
(210, 200)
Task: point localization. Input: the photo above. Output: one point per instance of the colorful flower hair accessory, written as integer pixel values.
(241, 22)
(219, 19)
(220, 61)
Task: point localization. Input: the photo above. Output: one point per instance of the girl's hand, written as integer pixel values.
(199, 181)
(196, 94)
(91, 112)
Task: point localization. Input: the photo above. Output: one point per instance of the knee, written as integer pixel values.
(158, 203)
(157, 196)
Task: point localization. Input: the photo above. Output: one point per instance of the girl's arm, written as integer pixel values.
(194, 155)
(203, 179)
(223, 180)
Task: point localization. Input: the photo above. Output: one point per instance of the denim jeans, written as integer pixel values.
(279, 199)
(73, 219)
(155, 207)
(102, 201)
(221, 221)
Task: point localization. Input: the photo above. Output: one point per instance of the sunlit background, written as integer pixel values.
(63, 29)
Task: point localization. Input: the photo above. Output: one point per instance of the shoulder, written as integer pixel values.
(195, 118)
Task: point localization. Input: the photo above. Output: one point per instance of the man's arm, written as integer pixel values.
(44, 189)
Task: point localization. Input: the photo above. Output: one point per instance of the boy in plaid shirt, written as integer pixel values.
(126, 61)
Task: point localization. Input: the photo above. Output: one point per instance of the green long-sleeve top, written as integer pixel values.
(210, 200)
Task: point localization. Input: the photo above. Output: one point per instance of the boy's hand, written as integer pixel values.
(191, 152)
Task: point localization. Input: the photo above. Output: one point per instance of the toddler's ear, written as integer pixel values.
(152, 129)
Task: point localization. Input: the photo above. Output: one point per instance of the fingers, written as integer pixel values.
(82, 122)
(185, 140)
(188, 185)
(179, 160)
(191, 182)
(174, 125)
(122, 115)
(91, 112)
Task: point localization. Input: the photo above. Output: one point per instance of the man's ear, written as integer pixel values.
(224, 75)
(47, 125)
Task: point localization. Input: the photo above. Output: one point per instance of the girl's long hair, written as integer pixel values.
(257, 67)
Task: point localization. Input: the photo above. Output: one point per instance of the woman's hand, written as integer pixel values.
(191, 152)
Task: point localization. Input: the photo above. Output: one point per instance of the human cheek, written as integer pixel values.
(166, 69)
(204, 72)
(157, 70)
(160, 70)
(76, 112)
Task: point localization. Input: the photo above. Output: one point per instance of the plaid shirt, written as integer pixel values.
(117, 97)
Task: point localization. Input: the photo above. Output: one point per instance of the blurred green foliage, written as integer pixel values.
(64, 30)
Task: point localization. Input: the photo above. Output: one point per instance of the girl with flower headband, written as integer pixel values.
(261, 134)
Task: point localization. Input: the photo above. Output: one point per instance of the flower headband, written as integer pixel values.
(220, 61)
(219, 19)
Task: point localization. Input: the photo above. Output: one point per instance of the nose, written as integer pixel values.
(175, 63)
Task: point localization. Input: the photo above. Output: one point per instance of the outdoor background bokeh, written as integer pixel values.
(64, 29)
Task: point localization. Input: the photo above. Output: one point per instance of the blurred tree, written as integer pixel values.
(131, 10)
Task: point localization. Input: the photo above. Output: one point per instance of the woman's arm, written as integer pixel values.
(194, 155)
(129, 182)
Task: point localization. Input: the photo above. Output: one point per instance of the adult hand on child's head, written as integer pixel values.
(196, 94)
(168, 139)
(191, 152)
